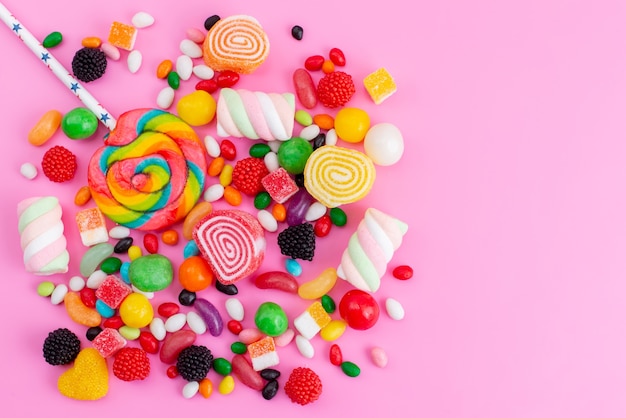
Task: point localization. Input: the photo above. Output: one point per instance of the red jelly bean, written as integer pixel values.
(278, 280)
(335, 355)
(243, 371)
(228, 150)
(337, 57)
(210, 86)
(175, 343)
(167, 309)
(234, 326)
(322, 226)
(314, 63)
(227, 78)
(151, 243)
(305, 88)
(402, 272)
(172, 371)
(148, 342)
(113, 322)
(88, 297)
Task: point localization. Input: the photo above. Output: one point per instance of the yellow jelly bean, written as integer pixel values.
(197, 108)
(134, 252)
(351, 124)
(226, 176)
(319, 286)
(136, 310)
(333, 330)
(45, 127)
(227, 385)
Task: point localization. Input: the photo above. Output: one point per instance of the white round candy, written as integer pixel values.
(142, 20)
(165, 98)
(384, 144)
(76, 283)
(28, 170)
(234, 308)
(190, 48)
(203, 72)
(134, 61)
(394, 309)
(184, 67)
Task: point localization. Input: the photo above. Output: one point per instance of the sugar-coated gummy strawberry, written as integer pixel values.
(59, 164)
(248, 174)
(335, 89)
(303, 386)
(131, 363)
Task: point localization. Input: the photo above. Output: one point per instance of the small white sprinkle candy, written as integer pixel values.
(234, 308)
(267, 220)
(203, 72)
(190, 389)
(111, 51)
(310, 132)
(305, 347)
(142, 20)
(28, 170)
(165, 98)
(196, 323)
(190, 48)
(331, 137)
(184, 67)
(157, 328)
(271, 161)
(119, 232)
(315, 211)
(58, 294)
(134, 61)
(76, 283)
(394, 309)
(214, 193)
(212, 146)
(95, 279)
(175, 322)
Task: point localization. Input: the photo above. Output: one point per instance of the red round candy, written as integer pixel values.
(113, 322)
(337, 57)
(402, 272)
(151, 243)
(88, 297)
(167, 309)
(234, 326)
(359, 309)
(172, 371)
(322, 226)
(228, 150)
(148, 342)
(335, 355)
(227, 78)
(314, 63)
(210, 86)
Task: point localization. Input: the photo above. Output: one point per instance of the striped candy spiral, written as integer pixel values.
(335, 175)
(150, 172)
(41, 235)
(233, 243)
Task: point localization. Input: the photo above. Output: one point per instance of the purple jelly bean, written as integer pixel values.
(298, 206)
(210, 315)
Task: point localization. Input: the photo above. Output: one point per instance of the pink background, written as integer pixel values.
(512, 185)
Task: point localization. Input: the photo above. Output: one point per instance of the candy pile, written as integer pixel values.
(155, 180)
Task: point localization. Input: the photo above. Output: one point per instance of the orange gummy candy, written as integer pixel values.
(122, 35)
(79, 313)
(380, 85)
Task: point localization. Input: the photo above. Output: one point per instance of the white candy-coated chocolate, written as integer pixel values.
(190, 48)
(175, 322)
(157, 328)
(196, 323)
(142, 20)
(315, 211)
(203, 72)
(267, 220)
(95, 279)
(394, 308)
(212, 146)
(305, 347)
(309, 132)
(184, 67)
(165, 98)
(134, 61)
(235, 309)
(214, 192)
(271, 161)
(28, 170)
(58, 294)
(119, 232)
(190, 389)
(76, 283)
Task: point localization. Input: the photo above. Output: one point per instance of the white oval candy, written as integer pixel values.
(28, 170)
(190, 48)
(58, 294)
(305, 347)
(331, 137)
(212, 146)
(119, 232)
(175, 322)
(379, 357)
(149, 295)
(165, 98)
(394, 309)
(184, 67)
(315, 211)
(234, 308)
(214, 192)
(134, 61)
(271, 161)
(95, 279)
(203, 72)
(274, 145)
(76, 283)
(267, 220)
(142, 20)
(111, 51)
(196, 323)
(190, 389)
(309, 132)
(157, 328)
(384, 144)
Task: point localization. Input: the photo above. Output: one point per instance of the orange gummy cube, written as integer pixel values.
(380, 85)
(122, 35)
(263, 353)
(92, 226)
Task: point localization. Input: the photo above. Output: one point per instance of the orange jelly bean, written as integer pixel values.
(232, 196)
(194, 274)
(324, 121)
(279, 212)
(328, 67)
(83, 195)
(206, 388)
(216, 166)
(164, 68)
(91, 42)
(170, 237)
(194, 216)
(45, 127)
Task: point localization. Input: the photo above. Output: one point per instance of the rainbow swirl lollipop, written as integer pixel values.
(151, 171)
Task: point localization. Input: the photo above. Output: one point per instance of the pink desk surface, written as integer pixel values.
(512, 184)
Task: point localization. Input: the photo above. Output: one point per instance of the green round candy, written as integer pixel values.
(262, 200)
(111, 265)
(151, 273)
(222, 366)
(79, 123)
(350, 369)
(293, 153)
(270, 319)
(259, 150)
(338, 217)
(328, 304)
(45, 289)
(238, 347)
(173, 79)
(52, 40)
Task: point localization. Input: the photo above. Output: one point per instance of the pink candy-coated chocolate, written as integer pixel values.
(250, 335)
(244, 372)
(175, 343)
(278, 280)
(285, 338)
(195, 35)
(210, 315)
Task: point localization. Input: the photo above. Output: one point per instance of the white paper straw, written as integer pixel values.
(46, 58)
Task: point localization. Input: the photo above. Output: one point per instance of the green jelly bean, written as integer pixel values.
(271, 319)
(259, 150)
(303, 117)
(151, 273)
(338, 217)
(45, 289)
(350, 369)
(79, 123)
(222, 366)
(52, 40)
(111, 265)
(262, 200)
(130, 333)
(328, 304)
(93, 257)
(238, 347)
(173, 79)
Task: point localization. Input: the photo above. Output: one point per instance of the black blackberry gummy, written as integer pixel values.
(298, 241)
(89, 64)
(194, 362)
(297, 32)
(61, 346)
